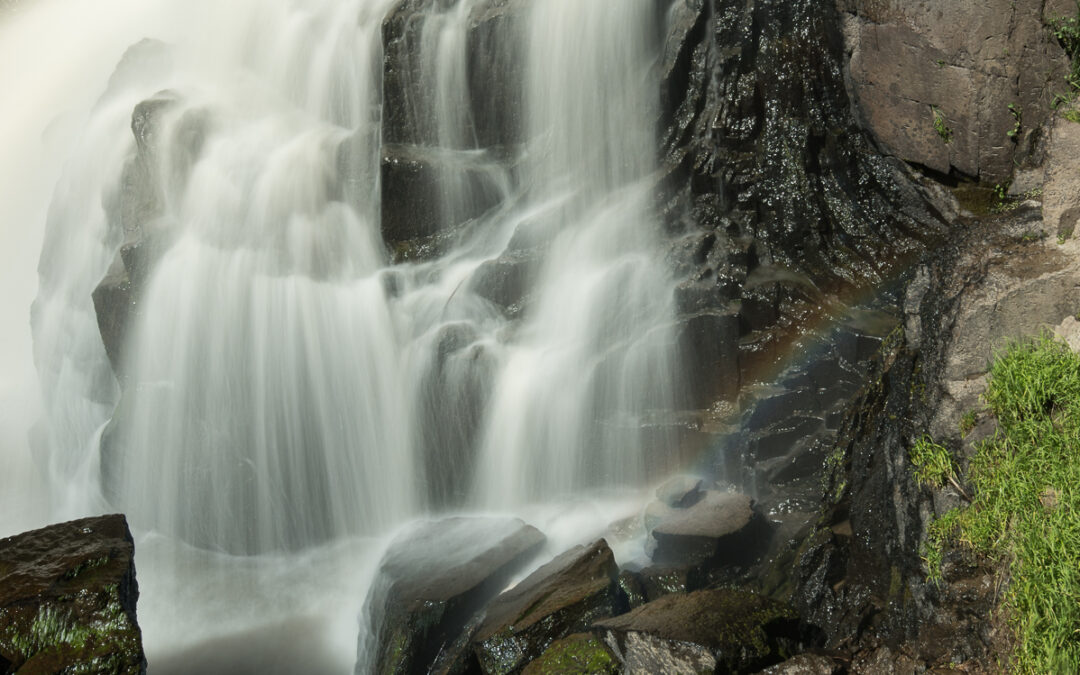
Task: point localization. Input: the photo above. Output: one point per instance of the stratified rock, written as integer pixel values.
(67, 599)
(722, 527)
(432, 582)
(681, 491)
(563, 597)
(582, 653)
(723, 631)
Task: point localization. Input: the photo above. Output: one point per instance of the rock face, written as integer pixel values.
(432, 583)
(67, 600)
(563, 597)
(779, 200)
(860, 576)
(720, 631)
(956, 86)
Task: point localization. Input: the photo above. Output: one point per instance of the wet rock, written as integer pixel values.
(681, 492)
(565, 596)
(505, 281)
(426, 190)
(432, 583)
(804, 664)
(582, 653)
(706, 631)
(67, 599)
(721, 529)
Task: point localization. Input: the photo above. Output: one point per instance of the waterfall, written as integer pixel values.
(375, 259)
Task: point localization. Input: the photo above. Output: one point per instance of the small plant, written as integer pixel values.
(967, 422)
(1018, 117)
(940, 126)
(1072, 115)
(1067, 32)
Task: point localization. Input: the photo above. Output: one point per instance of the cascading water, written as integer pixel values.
(285, 384)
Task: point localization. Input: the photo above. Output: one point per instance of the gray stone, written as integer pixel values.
(960, 64)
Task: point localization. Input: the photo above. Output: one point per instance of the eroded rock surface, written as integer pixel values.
(67, 600)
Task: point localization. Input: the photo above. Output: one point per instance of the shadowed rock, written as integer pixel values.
(563, 597)
(432, 582)
(721, 631)
(67, 600)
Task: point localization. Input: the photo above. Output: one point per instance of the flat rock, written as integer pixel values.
(563, 597)
(804, 664)
(714, 527)
(67, 600)
(705, 631)
(432, 582)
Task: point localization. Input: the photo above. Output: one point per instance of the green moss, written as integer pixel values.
(582, 653)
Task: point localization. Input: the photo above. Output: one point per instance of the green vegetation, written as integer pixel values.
(1018, 119)
(1073, 115)
(933, 462)
(1067, 31)
(967, 422)
(1024, 512)
(940, 126)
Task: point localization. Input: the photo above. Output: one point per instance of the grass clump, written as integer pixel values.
(941, 126)
(1024, 510)
(933, 462)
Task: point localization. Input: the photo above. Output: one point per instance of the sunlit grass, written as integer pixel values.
(1024, 511)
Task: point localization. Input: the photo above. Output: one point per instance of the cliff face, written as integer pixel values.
(961, 88)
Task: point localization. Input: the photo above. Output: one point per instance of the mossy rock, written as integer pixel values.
(67, 600)
(579, 653)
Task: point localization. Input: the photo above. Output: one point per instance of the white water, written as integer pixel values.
(290, 393)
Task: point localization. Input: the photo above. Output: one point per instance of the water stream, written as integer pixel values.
(291, 391)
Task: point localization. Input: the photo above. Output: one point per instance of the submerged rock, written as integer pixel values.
(67, 600)
(721, 631)
(563, 597)
(432, 582)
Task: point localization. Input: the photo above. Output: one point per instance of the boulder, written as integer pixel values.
(722, 528)
(67, 599)
(432, 582)
(563, 597)
(719, 631)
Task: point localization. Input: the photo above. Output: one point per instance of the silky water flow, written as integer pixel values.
(292, 391)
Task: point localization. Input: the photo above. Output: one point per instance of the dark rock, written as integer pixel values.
(582, 653)
(426, 190)
(660, 580)
(632, 588)
(565, 596)
(505, 281)
(711, 342)
(723, 631)
(67, 599)
(432, 583)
